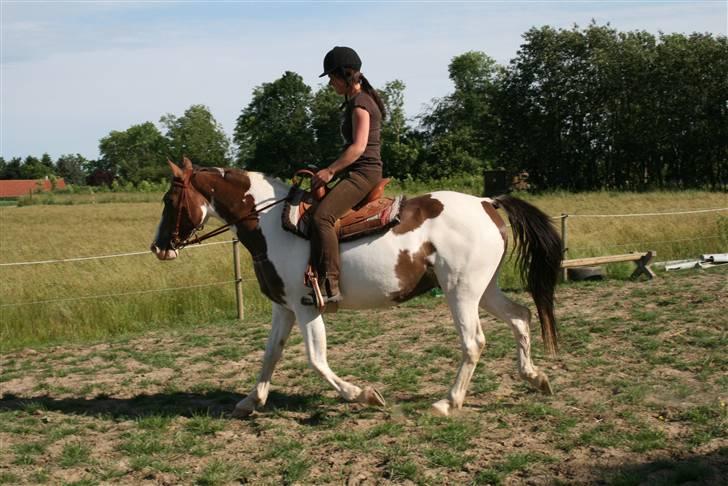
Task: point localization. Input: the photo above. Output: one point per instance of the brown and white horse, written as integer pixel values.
(446, 239)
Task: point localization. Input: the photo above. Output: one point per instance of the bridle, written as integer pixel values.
(177, 243)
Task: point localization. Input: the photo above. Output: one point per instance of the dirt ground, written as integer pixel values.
(640, 390)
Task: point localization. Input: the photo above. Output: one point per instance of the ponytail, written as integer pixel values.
(352, 77)
(373, 93)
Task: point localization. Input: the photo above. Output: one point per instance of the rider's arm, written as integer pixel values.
(360, 129)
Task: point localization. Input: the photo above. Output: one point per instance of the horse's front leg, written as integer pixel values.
(283, 320)
(314, 338)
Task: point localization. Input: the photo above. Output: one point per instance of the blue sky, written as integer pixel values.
(71, 72)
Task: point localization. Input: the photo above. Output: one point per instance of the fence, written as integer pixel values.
(564, 218)
(238, 280)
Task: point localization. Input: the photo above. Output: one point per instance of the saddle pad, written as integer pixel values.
(375, 217)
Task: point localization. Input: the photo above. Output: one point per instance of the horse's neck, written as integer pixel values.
(266, 189)
(235, 195)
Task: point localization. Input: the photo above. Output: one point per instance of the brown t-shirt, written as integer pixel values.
(371, 156)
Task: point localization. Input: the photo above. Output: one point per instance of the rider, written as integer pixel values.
(359, 166)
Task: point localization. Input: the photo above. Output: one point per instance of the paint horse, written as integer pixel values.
(446, 239)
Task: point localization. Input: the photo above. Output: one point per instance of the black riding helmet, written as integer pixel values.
(340, 57)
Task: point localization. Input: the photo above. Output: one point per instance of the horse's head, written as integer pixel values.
(185, 210)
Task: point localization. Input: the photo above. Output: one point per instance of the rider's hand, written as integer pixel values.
(322, 177)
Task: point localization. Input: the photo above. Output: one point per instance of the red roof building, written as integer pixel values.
(23, 187)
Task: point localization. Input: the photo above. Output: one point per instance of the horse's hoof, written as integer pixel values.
(370, 396)
(543, 385)
(546, 387)
(243, 410)
(442, 407)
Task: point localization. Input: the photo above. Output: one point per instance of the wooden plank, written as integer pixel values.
(584, 262)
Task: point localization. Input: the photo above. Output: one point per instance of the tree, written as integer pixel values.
(591, 108)
(198, 136)
(460, 128)
(326, 116)
(34, 168)
(400, 146)
(72, 168)
(11, 170)
(136, 154)
(274, 133)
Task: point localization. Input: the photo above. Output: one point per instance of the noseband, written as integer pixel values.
(177, 243)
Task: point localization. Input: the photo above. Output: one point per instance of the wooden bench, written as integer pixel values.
(641, 259)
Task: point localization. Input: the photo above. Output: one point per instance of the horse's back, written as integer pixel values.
(445, 231)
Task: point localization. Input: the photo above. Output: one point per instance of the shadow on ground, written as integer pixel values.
(708, 469)
(213, 403)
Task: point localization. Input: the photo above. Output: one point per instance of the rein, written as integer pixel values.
(178, 245)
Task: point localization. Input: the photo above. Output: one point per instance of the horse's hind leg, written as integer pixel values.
(283, 320)
(314, 338)
(519, 318)
(464, 307)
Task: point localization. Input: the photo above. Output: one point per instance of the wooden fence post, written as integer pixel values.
(564, 243)
(238, 280)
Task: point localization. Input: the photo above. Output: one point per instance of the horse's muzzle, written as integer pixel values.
(163, 254)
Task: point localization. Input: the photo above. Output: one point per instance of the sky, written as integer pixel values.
(73, 71)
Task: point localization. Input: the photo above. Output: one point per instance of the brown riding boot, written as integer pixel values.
(331, 287)
(328, 290)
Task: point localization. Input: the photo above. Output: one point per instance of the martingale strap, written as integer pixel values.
(199, 239)
(193, 238)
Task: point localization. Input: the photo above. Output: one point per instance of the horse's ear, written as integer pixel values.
(176, 171)
(186, 163)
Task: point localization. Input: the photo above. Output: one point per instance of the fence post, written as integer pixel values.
(564, 243)
(238, 280)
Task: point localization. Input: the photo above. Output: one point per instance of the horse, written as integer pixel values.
(444, 239)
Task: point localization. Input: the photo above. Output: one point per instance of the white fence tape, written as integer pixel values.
(642, 243)
(642, 214)
(78, 259)
(100, 257)
(136, 292)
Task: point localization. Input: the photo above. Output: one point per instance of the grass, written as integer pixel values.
(619, 419)
(72, 229)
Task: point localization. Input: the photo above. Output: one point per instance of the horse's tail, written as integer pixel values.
(538, 260)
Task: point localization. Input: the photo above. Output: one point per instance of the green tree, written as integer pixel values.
(198, 136)
(592, 108)
(136, 154)
(34, 168)
(274, 133)
(11, 170)
(400, 145)
(460, 128)
(72, 168)
(326, 117)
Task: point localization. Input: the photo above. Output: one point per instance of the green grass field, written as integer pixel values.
(53, 303)
(640, 399)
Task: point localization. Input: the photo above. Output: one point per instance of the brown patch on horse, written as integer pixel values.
(225, 194)
(416, 211)
(414, 273)
(497, 220)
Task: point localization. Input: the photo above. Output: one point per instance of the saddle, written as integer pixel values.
(374, 214)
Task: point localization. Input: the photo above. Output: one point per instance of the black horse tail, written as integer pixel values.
(538, 259)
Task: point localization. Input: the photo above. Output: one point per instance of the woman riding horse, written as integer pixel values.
(359, 166)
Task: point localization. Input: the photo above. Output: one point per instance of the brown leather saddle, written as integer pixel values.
(374, 214)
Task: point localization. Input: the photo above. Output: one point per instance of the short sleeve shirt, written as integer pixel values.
(371, 155)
